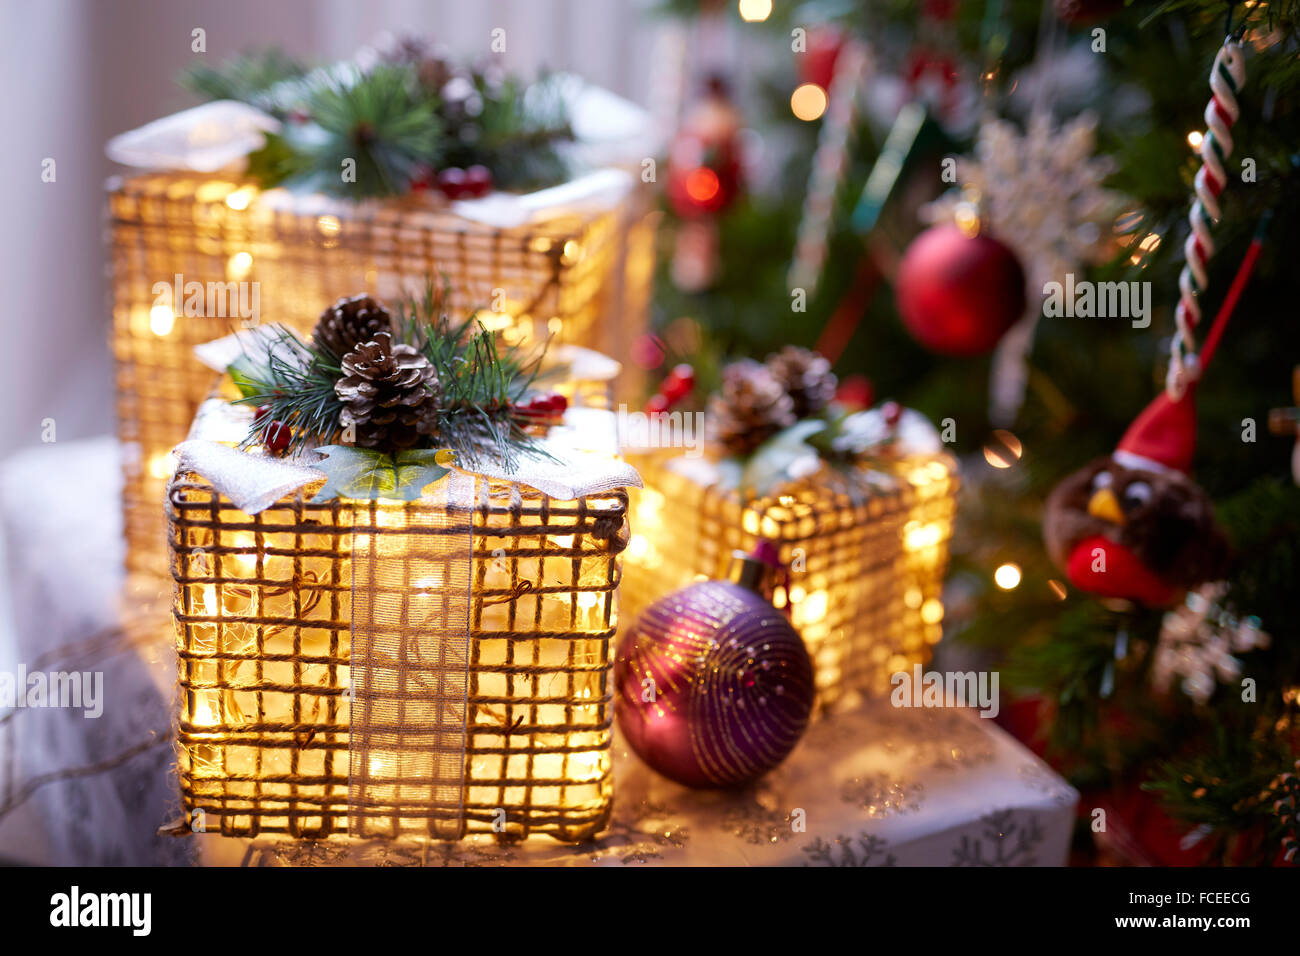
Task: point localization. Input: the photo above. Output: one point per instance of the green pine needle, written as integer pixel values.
(482, 382)
(248, 77)
(376, 126)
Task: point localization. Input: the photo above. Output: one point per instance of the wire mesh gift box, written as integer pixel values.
(863, 548)
(195, 254)
(428, 661)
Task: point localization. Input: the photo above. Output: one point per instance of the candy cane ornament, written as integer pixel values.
(1226, 78)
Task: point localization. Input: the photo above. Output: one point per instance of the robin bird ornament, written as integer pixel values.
(1133, 525)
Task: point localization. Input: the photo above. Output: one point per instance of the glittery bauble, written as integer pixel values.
(959, 294)
(715, 687)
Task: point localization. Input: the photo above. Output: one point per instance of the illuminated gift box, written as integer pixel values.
(581, 276)
(865, 547)
(323, 691)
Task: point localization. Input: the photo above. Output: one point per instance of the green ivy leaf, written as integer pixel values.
(245, 375)
(365, 474)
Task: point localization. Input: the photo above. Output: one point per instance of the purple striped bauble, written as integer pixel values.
(715, 687)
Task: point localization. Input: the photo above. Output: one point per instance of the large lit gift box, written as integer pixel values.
(860, 530)
(199, 247)
(393, 645)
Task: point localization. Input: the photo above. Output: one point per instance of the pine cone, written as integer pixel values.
(349, 322)
(390, 393)
(806, 377)
(751, 407)
(430, 62)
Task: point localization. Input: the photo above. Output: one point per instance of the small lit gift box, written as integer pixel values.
(394, 646)
(859, 509)
(201, 246)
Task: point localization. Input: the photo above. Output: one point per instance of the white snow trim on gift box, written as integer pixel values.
(867, 431)
(596, 191)
(609, 132)
(581, 463)
(203, 139)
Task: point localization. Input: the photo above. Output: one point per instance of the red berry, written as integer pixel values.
(424, 178)
(658, 403)
(478, 181)
(557, 403)
(278, 436)
(452, 182)
(679, 383)
(261, 413)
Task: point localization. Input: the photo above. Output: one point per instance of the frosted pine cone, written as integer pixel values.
(751, 407)
(390, 393)
(806, 377)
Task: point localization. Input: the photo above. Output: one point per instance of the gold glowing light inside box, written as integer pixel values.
(579, 277)
(161, 320)
(240, 198)
(865, 551)
(263, 623)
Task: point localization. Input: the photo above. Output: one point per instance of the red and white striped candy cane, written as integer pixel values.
(1226, 77)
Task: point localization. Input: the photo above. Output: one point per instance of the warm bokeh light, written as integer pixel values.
(161, 320)
(1007, 576)
(1149, 244)
(755, 11)
(808, 102)
(240, 264)
(1003, 450)
(1057, 588)
(1195, 138)
(239, 199)
(702, 185)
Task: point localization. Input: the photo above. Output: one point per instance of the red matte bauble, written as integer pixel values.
(1081, 12)
(714, 685)
(959, 294)
(704, 161)
(817, 62)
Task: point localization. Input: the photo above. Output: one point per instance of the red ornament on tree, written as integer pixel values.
(959, 294)
(704, 173)
(817, 63)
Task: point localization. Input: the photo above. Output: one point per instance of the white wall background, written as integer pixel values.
(75, 72)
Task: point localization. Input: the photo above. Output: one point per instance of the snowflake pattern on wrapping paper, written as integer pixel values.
(878, 795)
(638, 833)
(1038, 776)
(865, 849)
(472, 851)
(1009, 843)
(941, 739)
(758, 825)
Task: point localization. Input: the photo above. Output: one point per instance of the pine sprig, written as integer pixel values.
(293, 382)
(249, 77)
(394, 123)
(482, 382)
(483, 385)
(375, 125)
(516, 133)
